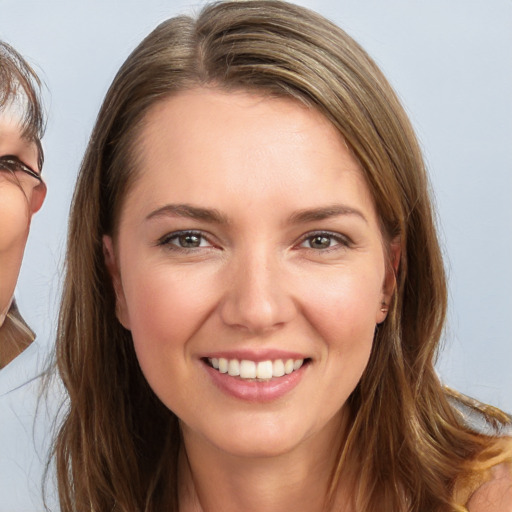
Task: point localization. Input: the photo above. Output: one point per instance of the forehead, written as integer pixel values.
(211, 146)
(240, 124)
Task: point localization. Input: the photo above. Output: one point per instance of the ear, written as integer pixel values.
(113, 269)
(37, 199)
(389, 285)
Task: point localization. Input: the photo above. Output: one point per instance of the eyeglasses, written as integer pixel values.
(13, 164)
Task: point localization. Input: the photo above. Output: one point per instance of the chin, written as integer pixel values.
(257, 437)
(264, 446)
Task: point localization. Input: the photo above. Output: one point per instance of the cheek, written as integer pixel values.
(165, 309)
(14, 218)
(14, 222)
(344, 306)
(343, 311)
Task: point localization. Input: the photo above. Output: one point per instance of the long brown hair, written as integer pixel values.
(19, 84)
(118, 446)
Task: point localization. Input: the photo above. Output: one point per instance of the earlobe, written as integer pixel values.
(113, 269)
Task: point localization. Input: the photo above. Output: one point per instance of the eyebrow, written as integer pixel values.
(325, 212)
(189, 212)
(213, 216)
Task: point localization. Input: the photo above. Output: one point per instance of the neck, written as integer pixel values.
(212, 480)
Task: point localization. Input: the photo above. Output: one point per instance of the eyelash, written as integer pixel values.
(13, 160)
(14, 164)
(342, 241)
(166, 240)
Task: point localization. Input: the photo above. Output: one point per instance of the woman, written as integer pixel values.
(23, 419)
(252, 310)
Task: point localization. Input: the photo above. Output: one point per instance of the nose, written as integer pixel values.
(257, 298)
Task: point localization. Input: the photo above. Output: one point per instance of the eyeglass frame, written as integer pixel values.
(15, 164)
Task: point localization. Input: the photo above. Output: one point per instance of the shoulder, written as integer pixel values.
(495, 495)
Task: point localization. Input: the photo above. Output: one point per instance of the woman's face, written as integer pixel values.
(249, 244)
(20, 196)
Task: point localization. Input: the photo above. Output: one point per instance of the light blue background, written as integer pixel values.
(449, 60)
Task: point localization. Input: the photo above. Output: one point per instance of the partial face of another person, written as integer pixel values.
(21, 195)
(250, 269)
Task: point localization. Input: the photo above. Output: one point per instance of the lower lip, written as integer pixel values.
(256, 391)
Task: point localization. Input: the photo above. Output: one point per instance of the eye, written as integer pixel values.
(324, 240)
(14, 166)
(185, 240)
(7, 165)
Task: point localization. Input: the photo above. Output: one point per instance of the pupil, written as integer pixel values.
(320, 242)
(189, 241)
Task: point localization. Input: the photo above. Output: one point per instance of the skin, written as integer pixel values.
(496, 494)
(18, 202)
(255, 283)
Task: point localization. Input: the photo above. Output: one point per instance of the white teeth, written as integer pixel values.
(247, 369)
(233, 367)
(263, 370)
(288, 366)
(223, 365)
(278, 368)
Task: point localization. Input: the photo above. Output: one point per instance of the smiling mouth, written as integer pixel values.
(259, 371)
